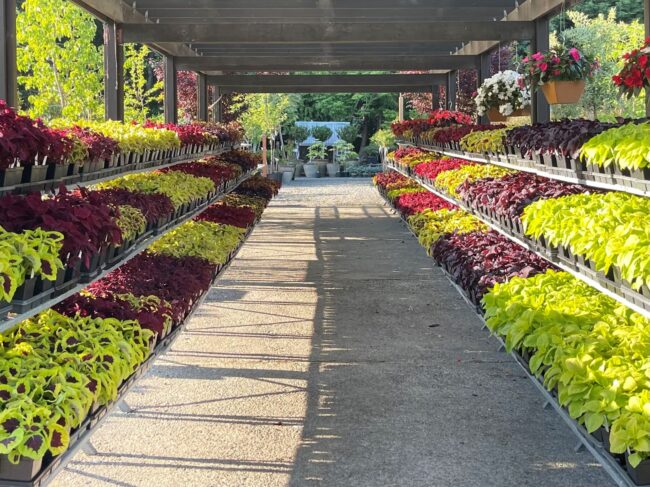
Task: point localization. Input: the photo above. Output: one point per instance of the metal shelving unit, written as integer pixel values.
(527, 244)
(14, 319)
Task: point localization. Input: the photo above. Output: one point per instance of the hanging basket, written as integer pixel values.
(494, 115)
(563, 92)
(522, 112)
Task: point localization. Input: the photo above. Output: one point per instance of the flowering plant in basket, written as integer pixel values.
(635, 75)
(560, 64)
(503, 91)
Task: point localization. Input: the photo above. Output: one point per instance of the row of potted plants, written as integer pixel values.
(587, 349)
(65, 367)
(601, 235)
(55, 242)
(36, 157)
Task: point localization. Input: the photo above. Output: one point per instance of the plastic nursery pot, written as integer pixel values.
(57, 171)
(640, 474)
(34, 174)
(11, 176)
(25, 470)
(494, 115)
(563, 92)
(26, 290)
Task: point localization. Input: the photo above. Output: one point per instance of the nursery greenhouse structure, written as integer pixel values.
(174, 312)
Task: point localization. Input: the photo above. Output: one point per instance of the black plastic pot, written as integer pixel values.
(43, 287)
(5, 307)
(24, 471)
(57, 171)
(34, 174)
(11, 176)
(641, 173)
(26, 290)
(640, 474)
(67, 279)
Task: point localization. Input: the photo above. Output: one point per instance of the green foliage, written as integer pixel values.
(384, 138)
(321, 133)
(132, 222)
(609, 229)
(133, 138)
(180, 187)
(138, 97)
(371, 150)
(449, 181)
(53, 370)
(317, 151)
(206, 240)
(298, 133)
(483, 141)
(59, 65)
(344, 151)
(349, 133)
(263, 113)
(431, 225)
(589, 348)
(607, 39)
(27, 254)
(627, 147)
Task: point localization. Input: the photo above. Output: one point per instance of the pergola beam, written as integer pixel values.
(281, 81)
(320, 5)
(8, 71)
(334, 33)
(325, 63)
(171, 90)
(113, 74)
(330, 89)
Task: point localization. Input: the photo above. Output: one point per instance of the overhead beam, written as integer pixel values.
(8, 70)
(329, 89)
(324, 63)
(319, 5)
(377, 80)
(334, 33)
(171, 92)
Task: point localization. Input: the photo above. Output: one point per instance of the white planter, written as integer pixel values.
(333, 169)
(311, 170)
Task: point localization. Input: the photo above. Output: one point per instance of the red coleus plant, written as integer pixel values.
(218, 173)
(188, 134)
(179, 281)
(237, 216)
(153, 206)
(432, 169)
(383, 179)
(477, 260)
(509, 195)
(99, 146)
(86, 227)
(635, 75)
(258, 186)
(410, 203)
(246, 160)
(21, 138)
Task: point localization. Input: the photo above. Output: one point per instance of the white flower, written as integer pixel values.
(502, 91)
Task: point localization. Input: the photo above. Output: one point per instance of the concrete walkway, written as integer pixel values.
(333, 353)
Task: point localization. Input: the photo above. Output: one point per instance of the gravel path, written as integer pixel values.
(332, 353)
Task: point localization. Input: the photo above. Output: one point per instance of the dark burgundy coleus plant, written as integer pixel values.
(238, 216)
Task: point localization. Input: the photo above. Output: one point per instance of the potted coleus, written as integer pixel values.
(317, 154)
(561, 73)
(635, 75)
(503, 96)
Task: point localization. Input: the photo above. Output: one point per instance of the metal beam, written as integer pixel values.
(452, 89)
(171, 94)
(8, 71)
(113, 73)
(541, 110)
(330, 89)
(202, 97)
(378, 80)
(320, 5)
(325, 63)
(335, 33)
(484, 73)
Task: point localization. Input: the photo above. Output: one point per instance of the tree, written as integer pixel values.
(139, 96)
(263, 114)
(607, 39)
(627, 10)
(60, 67)
(186, 91)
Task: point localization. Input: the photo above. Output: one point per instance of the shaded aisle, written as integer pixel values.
(333, 353)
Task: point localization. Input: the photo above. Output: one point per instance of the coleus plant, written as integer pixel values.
(627, 147)
(255, 203)
(386, 178)
(242, 217)
(430, 225)
(431, 169)
(487, 141)
(455, 134)
(245, 159)
(449, 181)
(153, 206)
(410, 203)
(258, 186)
(217, 172)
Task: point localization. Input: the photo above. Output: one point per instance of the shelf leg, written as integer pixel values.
(579, 447)
(123, 406)
(547, 405)
(89, 449)
(501, 348)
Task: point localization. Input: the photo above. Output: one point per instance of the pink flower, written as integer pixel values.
(538, 56)
(575, 54)
(525, 60)
(543, 67)
(555, 60)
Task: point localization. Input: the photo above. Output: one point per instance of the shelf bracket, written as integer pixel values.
(89, 449)
(124, 407)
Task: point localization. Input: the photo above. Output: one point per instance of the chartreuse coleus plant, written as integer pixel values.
(627, 147)
(53, 369)
(609, 229)
(448, 181)
(430, 225)
(484, 141)
(590, 348)
(135, 138)
(181, 188)
(206, 240)
(131, 221)
(27, 254)
(394, 193)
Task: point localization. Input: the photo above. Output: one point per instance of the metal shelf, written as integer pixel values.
(527, 244)
(14, 319)
(609, 464)
(470, 156)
